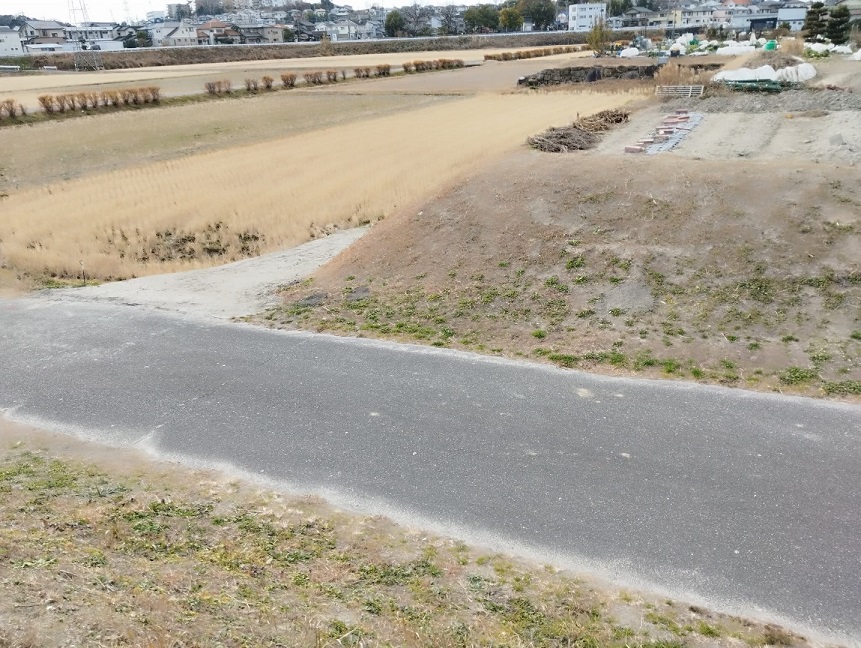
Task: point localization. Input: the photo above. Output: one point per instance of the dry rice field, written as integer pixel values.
(216, 206)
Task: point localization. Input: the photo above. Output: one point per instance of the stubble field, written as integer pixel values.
(328, 169)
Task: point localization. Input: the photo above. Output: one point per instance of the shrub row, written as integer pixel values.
(105, 99)
(218, 87)
(253, 85)
(536, 53)
(438, 64)
(9, 108)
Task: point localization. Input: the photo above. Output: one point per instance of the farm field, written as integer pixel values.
(75, 148)
(181, 80)
(220, 205)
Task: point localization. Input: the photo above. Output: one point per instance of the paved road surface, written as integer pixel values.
(748, 502)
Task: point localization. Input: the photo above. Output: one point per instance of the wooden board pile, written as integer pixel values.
(581, 135)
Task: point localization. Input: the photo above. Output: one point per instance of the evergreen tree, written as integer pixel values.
(395, 23)
(837, 29)
(814, 21)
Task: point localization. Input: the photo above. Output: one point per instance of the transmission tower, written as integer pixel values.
(86, 58)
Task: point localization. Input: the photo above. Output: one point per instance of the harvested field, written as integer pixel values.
(181, 80)
(75, 148)
(220, 206)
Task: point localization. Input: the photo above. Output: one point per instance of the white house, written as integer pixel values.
(583, 17)
(10, 42)
(173, 34)
(793, 13)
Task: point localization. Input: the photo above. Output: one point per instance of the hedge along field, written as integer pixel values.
(215, 207)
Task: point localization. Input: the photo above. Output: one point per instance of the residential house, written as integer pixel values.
(343, 30)
(370, 29)
(43, 32)
(306, 31)
(10, 42)
(634, 17)
(258, 34)
(582, 17)
(94, 31)
(172, 34)
(696, 16)
(215, 32)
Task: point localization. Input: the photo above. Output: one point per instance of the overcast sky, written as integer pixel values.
(101, 10)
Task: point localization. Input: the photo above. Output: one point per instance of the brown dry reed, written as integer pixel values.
(9, 109)
(437, 64)
(535, 53)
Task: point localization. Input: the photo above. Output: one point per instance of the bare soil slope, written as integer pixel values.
(744, 274)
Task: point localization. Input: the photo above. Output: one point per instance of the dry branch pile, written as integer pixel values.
(602, 121)
(581, 135)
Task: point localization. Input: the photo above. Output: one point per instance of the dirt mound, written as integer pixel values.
(743, 274)
(777, 60)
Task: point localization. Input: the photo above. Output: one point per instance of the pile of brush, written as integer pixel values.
(583, 134)
(602, 121)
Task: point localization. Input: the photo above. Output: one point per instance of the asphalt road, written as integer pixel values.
(748, 502)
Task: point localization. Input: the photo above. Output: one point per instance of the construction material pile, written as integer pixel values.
(583, 134)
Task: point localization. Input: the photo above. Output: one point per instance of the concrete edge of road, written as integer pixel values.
(606, 574)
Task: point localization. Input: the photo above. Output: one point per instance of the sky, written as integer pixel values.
(100, 10)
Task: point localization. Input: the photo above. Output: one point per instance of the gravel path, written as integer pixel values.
(241, 288)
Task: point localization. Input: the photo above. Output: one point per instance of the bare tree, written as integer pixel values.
(414, 16)
(448, 20)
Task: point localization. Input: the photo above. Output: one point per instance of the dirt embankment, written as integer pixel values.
(151, 57)
(745, 274)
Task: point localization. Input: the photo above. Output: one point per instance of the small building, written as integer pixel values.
(259, 34)
(792, 13)
(10, 42)
(583, 17)
(36, 29)
(172, 34)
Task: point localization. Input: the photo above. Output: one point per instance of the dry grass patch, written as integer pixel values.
(94, 556)
(283, 191)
